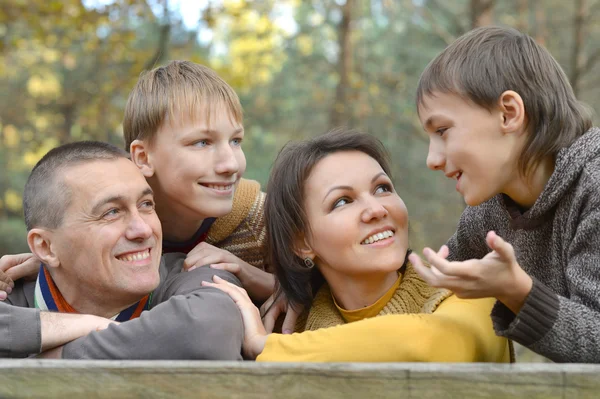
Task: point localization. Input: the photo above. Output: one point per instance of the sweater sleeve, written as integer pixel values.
(20, 326)
(193, 322)
(560, 328)
(468, 242)
(458, 331)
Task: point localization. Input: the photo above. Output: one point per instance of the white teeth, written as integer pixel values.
(378, 237)
(136, 256)
(220, 188)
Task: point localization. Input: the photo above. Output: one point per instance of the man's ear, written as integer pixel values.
(141, 158)
(512, 111)
(303, 249)
(40, 243)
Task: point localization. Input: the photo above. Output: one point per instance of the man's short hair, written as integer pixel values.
(177, 90)
(485, 62)
(46, 196)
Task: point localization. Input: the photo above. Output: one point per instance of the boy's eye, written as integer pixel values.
(148, 204)
(340, 202)
(201, 143)
(441, 131)
(383, 188)
(236, 142)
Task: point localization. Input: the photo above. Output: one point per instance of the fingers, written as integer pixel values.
(233, 268)
(502, 248)
(198, 260)
(444, 251)
(423, 271)
(289, 323)
(28, 269)
(6, 286)
(9, 261)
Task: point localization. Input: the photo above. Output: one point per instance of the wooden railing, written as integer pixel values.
(198, 379)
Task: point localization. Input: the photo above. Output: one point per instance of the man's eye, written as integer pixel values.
(111, 213)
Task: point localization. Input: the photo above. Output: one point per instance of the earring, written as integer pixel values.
(308, 262)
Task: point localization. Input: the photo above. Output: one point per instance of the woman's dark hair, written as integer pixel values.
(284, 207)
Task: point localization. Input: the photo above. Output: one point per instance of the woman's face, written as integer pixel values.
(358, 223)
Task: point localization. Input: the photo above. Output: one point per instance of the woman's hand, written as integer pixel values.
(255, 335)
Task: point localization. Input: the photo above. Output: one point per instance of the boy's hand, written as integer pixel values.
(255, 335)
(274, 307)
(15, 267)
(259, 284)
(496, 275)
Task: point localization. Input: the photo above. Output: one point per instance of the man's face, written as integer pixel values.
(196, 167)
(109, 244)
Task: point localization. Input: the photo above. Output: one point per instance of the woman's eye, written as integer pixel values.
(340, 202)
(441, 131)
(383, 188)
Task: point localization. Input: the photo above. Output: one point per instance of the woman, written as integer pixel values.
(338, 235)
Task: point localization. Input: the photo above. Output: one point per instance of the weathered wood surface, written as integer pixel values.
(183, 379)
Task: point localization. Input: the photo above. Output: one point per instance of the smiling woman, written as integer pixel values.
(338, 234)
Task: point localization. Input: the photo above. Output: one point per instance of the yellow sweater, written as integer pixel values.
(443, 328)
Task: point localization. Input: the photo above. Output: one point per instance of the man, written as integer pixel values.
(91, 220)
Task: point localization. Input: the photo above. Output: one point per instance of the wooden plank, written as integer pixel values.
(198, 379)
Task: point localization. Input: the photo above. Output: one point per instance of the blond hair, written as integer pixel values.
(173, 92)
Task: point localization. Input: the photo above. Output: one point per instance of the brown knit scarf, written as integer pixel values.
(413, 295)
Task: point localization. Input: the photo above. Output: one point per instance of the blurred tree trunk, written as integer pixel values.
(539, 31)
(523, 15)
(481, 13)
(577, 61)
(344, 66)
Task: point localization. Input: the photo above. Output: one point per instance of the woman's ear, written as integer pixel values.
(40, 243)
(512, 111)
(141, 158)
(303, 249)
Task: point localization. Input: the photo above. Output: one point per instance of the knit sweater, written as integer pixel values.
(410, 294)
(556, 242)
(241, 232)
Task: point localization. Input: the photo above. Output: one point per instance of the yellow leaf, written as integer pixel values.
(305, 45)
(13, 200)
(11, 136)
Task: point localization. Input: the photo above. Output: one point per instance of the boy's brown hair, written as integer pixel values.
(177, 90)
(485, 62)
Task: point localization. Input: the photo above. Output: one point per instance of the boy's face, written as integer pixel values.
(196, 167)
(467, 143)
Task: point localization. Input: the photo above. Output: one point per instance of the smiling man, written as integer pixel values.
(91, 220)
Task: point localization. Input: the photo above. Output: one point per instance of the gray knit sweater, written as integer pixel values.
(557, 242)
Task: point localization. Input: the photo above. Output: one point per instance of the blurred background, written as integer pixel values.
(300, 68)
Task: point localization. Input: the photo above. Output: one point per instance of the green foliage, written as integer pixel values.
(13, 236)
